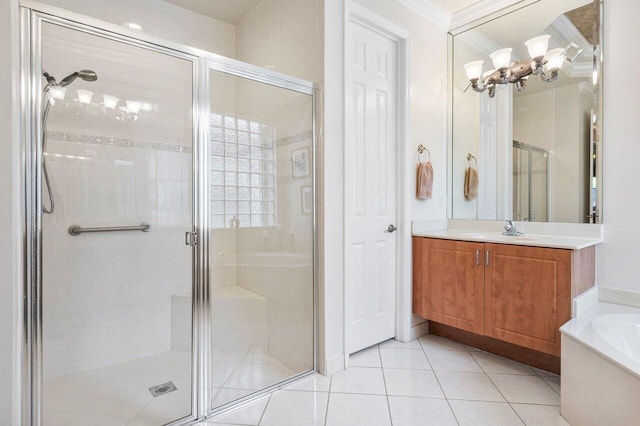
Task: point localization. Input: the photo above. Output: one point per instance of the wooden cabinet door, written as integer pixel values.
(449, 282)
(527, 295)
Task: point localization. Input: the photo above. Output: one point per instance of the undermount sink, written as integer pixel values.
(497, 235)
(482, 234)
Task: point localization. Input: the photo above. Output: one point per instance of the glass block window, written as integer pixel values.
(243, 172)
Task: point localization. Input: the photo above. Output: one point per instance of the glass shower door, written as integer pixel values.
(116, 273)
(520, 183)
(539, 185)
(530, 183)
(261, 235)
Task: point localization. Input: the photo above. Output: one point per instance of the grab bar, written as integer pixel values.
(77, 229)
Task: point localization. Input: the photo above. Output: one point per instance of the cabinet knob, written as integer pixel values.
(486, 258)
(478, 257)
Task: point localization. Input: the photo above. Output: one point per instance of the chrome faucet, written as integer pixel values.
(510, 229)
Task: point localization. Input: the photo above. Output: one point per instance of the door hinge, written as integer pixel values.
(190, 238)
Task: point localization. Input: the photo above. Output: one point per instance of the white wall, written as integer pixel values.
(617, 257)
(466, 131)
(160, 18)
(10, 213)
(331, 193)
(284, 36)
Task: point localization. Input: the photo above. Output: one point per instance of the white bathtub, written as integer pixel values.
(601, 367)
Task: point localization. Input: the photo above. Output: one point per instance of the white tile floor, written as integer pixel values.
(430, 381)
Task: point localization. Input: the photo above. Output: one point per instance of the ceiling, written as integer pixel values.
(586, 19)
(514, 28)
(230, 11)
(454, 6)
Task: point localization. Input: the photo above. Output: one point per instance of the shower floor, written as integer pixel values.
(119, 394)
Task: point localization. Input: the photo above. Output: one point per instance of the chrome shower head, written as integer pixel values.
(86, 75)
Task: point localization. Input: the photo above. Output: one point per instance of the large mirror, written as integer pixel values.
(525, 122)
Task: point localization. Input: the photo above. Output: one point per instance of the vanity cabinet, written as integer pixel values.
(449, 282)
(515, 294)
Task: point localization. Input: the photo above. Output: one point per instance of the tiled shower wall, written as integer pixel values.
(107, 296)
(111, 301)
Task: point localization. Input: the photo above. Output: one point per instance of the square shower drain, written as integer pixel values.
(162, 389)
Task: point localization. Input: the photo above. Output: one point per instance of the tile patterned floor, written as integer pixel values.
(429, 381)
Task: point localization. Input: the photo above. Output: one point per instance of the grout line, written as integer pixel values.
(265, 408)
(302, 390)
(326, 412)
(386, 391)
(552, 388)
(361, 366)
(537, 405)
(505, 398)
(441, 388)
(361, 393)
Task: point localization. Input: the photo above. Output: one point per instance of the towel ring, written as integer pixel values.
(421, 149)
(470, 156)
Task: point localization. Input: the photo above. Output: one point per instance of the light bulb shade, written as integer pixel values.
(85, 96)
(555, 59)
(537, 46)
(501, 58)
(110, 101)
(58, 92)
(473, 69)
(133, 106)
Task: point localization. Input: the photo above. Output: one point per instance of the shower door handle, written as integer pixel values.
(190, 238)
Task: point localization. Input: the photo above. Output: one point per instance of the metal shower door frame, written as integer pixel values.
(530, 149)
(32, 15)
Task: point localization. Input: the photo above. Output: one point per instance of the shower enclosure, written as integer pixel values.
(530, 183)
(175, 277)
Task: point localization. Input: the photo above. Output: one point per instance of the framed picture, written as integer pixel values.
(306, 199)
(300, 163)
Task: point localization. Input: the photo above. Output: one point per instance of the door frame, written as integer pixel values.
(360, 15)
(32, 15)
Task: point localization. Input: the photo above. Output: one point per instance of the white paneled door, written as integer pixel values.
(370, 188)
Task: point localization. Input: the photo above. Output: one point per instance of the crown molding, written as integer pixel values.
(433, 12)
(564, 32)
(586, 89)
(480, 10)
(569, 33)
(578, 69)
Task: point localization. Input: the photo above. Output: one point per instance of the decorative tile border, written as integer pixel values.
(119, 142)
(157, 146)
(300, 137)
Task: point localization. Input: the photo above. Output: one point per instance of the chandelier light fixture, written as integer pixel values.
(545, 63)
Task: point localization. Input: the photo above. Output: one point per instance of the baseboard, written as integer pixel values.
(333, 365)
(521, 354)
(419, 330)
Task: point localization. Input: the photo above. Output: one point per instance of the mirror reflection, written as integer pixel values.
(525, 115)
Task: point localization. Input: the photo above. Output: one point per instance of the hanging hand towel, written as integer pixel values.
(470, 183)
(424, 184)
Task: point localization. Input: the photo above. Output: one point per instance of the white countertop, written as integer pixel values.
(554, 235)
